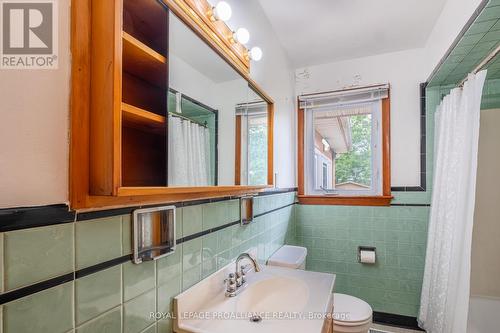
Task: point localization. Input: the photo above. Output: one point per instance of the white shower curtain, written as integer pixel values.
(445, 291)
(188, 153)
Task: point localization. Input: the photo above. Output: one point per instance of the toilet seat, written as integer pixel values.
(350, 311)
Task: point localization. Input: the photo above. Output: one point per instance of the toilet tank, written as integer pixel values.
(289, 256)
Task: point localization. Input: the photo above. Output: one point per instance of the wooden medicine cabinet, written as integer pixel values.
(130, 61)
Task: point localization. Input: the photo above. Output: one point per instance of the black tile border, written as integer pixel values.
(122, 211)
(102, 266)
(31, 217)
(206, 232)
(35, 288)
(47, 284)
(227, 225)
(277, 190)
(273, 210)
(396, 320)
(423, 148)
(410, 205)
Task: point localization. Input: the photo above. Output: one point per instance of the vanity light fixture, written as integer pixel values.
(222, 11)
(241, 36)
(326, 145)
(255, 53)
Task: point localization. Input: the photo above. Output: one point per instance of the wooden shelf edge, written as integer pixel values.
(143, 62)
(131, 41)
(157, 196)
(211, 190)
(345, 200)
(140, 116)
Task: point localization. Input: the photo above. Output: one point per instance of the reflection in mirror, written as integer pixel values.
(252, 131)
(192, 128)
(203, 93)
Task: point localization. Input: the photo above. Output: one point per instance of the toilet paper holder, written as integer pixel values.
(366, 248)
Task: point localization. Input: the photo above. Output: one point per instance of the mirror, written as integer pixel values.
(252, 137)
(206, 96)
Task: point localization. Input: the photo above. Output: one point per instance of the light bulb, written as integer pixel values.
(256, 53)
(241, 36)
(222, 11)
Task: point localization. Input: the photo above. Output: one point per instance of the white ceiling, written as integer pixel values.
(321, 31)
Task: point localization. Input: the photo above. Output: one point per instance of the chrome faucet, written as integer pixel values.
(236, 281)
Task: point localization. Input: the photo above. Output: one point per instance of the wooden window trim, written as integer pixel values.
(381, 200)
(270, 147)
(237, 152)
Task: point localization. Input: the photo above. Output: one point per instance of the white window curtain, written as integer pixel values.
(188, 153)
(445, 291)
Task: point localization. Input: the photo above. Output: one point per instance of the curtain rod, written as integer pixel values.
(483, 63)
(188, 119)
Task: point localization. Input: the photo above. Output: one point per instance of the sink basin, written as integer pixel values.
(282, 299)
(274, 295)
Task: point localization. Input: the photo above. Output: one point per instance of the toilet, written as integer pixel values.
(351, 314)
(289, 256)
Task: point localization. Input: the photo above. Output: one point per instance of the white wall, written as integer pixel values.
(34, 117)
(485, 246)
(182, 76)
(405, 71)
(230, 93)
(34, 111)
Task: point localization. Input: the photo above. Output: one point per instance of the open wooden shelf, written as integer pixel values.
(142, 61)
(147, 20)
(143, 158)
(143, 95)
(143, 120)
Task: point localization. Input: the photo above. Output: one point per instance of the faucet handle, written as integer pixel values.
(230, 285)
(231, 279)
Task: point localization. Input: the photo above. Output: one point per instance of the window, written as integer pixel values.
(252, 138)
(257, 148)
(344, 147)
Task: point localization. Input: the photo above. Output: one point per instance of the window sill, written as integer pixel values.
(382, 200)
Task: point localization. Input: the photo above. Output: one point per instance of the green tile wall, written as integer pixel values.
(481, 38)
(332, 235)
(120, 299)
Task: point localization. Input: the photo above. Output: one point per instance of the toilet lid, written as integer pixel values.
(349, 309)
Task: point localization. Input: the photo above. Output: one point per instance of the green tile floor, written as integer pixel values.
(120, 299)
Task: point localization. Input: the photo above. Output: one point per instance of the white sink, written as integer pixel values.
(274, 295)
(286, 300)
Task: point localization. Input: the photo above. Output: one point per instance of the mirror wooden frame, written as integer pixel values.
(82, 198)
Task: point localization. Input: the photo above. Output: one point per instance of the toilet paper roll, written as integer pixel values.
(367, 257)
